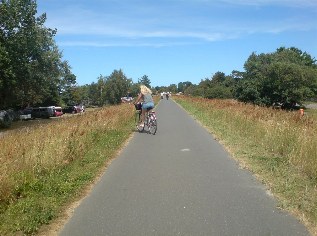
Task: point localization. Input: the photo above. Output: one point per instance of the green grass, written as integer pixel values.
(311, 113)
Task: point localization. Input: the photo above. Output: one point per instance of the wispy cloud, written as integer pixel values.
(154, 24)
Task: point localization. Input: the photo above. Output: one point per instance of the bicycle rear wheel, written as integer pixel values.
(152, 126)
(137, 121)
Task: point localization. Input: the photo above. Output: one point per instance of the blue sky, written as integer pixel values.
(174, 41)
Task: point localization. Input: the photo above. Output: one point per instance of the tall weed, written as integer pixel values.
(37, 164)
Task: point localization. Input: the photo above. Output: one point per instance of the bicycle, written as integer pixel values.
(150, 120)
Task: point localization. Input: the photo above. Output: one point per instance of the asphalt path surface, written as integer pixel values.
(178, 182)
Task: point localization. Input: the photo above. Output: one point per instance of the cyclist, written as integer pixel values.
(145, 96)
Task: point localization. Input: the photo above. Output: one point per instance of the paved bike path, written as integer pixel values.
(178, 182)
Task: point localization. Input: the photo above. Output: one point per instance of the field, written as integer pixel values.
(279, 147)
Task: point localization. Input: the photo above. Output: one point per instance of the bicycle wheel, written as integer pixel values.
(152, 126)
(137, 121)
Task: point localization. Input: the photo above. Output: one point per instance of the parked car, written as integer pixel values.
(80, 108)
(5, 119)
(70, 109)
(42, 112)
(74, 109)
(26, 114)
(287, 106)
(58, 111)
(27, 111)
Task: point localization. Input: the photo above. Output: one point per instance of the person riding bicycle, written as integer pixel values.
(145, 96)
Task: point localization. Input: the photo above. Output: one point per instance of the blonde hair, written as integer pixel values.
(145, 90)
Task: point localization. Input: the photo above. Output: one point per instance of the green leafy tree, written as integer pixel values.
(193, 90)
(172, 88)
(31, 65)
(247, 91)
(218, 91)
(145, 81)
(116, 86)
(134, 89)
(182, 86)
(161, 89)
(287, 76)
(100, 95)
(219, 86)
(84, 95)
(93, 94)
(67, 85)
(218, 78)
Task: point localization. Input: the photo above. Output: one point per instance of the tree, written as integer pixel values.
(218, 91)
(218, 78)
(286, 76)
(67, 85)
(182, 86)
(31, 65)
(295, 55)
(219, 86)
(94, 94)
(193, 90)
(100, 95)
(172, 88)
(134, 89)
(145, 81)
(116, 86)
(247, 91)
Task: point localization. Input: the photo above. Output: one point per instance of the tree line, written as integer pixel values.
(110, 89)
(286, 76)
(33, 73)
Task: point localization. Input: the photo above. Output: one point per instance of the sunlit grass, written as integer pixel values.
(42, 167)
(280, 147)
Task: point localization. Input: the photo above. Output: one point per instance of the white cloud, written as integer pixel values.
(155, 24)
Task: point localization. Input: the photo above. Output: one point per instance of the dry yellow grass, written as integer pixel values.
(284, 134)
(31, 151)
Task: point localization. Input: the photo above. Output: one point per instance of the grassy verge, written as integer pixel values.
(312, 113)
(279, 147)
(42, 169)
